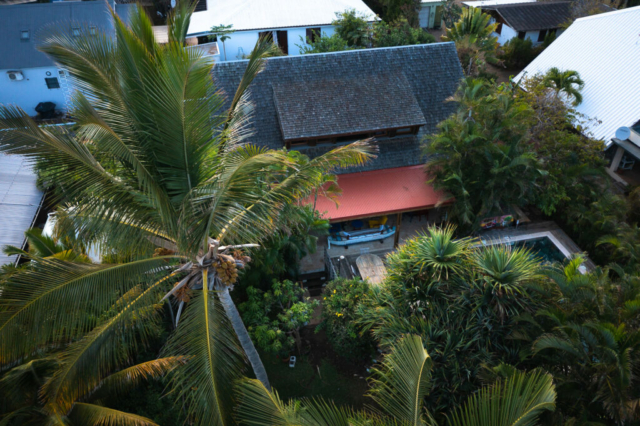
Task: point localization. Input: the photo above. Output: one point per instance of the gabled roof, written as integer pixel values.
(341, 105)
(428, 73)
(605, 50)
(35, 17)
(534, 16)
(271, 14)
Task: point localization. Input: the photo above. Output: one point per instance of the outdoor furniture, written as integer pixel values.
(346, 239)
(371, 268)
(374, 223)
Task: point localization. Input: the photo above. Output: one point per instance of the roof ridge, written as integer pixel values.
(608, 14)
(345, 51)
(537, 3)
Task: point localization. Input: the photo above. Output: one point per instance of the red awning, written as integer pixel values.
(380, 192)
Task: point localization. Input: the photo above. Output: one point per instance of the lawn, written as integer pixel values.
(319, 373)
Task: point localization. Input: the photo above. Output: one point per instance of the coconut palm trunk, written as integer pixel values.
(157, 171)
(248, 347)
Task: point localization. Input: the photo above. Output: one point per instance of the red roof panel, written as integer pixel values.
(380, 192)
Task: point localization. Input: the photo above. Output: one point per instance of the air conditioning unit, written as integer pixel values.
(15, 75)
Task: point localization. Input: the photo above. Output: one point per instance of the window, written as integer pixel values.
(499, 29)
(25, 35)
(404, 131)
(93, 31)
(75, 32)
(379, 133)
(201, 6)
(541, 35)
(521, 35)
(52, 83)
(313, 34)
(266, 35)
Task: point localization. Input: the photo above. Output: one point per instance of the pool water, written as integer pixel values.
(543, 248)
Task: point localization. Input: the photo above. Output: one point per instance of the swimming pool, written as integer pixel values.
(543, 248)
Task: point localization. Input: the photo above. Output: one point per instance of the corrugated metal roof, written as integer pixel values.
(605, 50)
(380, 192)
(262, 14)
(483, 3)
(34, 17)
(19, 201)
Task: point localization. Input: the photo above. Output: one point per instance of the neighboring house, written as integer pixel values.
(288, 22)
(430, 14)
(609, 64)
(533, 21)
(27, 76)
(313, 103)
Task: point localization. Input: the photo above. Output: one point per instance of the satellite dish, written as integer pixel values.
(623, 133)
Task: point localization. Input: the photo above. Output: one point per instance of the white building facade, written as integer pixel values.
(290, 23)
(27, 76)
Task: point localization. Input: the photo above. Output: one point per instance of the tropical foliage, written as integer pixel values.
(340, 303)
(567, 83)
(160, 168)
(398, 387)
(274, 318)
(474, 42)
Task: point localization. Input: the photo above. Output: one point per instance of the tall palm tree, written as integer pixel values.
(399, 387)
(154, 162)
(568, 81)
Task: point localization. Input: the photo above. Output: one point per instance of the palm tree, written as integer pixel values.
(568, 82)
(399, 386)
(154, 162)
(472, 35)
(43, 246)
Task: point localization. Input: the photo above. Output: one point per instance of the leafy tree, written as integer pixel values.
(399, 33)
(325, 43)
(275, 317)
(479, 155)
(42, 246)
(567, 82)
(353, 28)
(339, 317)
(183, 174)
(407, 10)
(401, 382)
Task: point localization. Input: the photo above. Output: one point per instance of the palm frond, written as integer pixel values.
(97, 415)
(403, 380)
(516, 401)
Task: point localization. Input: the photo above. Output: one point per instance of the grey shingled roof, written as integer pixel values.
(534, 16)
(337, 106)
(432, 72)
(35, 17)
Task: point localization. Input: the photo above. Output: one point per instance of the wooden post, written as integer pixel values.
(616, 159)
(396, 236)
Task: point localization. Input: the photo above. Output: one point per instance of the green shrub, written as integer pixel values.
(399, 33)
(339, 317)
(518, 53)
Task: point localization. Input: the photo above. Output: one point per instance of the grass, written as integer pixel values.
(310, 380)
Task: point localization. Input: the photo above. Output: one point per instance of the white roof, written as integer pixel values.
(271, 14)
(605, 50)
(20, 201)
(482, 3)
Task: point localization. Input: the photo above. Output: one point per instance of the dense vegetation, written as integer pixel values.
(354, 31)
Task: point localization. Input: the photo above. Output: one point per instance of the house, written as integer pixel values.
(313, 103)
(430, 14)
(527, 20)
(27, 76)
(605, 50)
(289, 23)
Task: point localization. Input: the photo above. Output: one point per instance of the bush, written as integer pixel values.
(517, 53)
(399, 33)
(339, 317)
